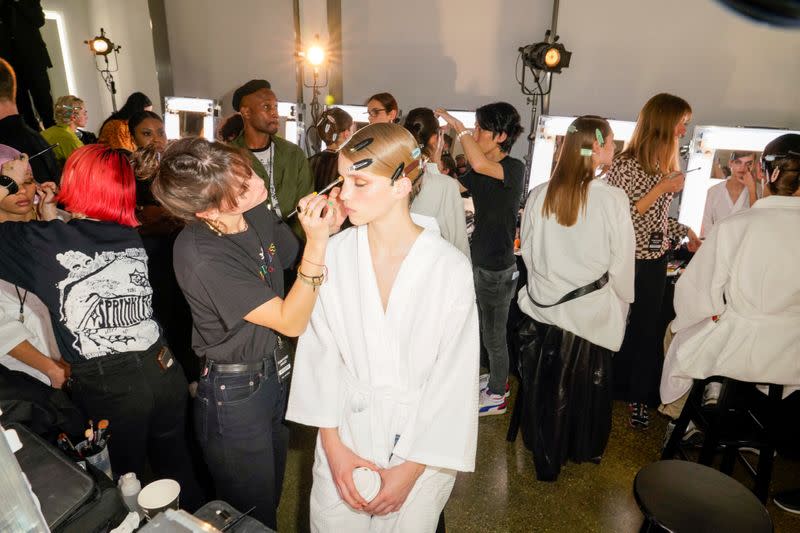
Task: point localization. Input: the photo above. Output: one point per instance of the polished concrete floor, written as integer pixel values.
(502, 495)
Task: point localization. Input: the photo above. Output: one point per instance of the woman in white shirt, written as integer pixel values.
(736, 193)
(737, 304)
(577, 234)
(439, 196)
(27, 343)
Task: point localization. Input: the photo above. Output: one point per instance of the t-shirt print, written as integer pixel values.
(106, 302)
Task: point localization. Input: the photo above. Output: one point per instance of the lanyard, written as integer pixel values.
(273, 194)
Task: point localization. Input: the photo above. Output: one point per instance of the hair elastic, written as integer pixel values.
(586, 152)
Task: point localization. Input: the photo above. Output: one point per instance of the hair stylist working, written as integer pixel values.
(229, 262)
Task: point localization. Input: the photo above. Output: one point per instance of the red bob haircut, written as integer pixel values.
(98, 182)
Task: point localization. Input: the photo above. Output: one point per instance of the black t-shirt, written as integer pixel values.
(93, 278)
(16, 134)
(496, 206)
(220, 277)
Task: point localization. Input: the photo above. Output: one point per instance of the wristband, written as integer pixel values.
(461, 134)
(9, 184)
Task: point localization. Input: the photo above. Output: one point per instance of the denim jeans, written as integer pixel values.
(494, 290)
(146, 409)
(240, 425)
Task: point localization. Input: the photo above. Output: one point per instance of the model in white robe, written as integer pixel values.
(746, 275)
(400, 385)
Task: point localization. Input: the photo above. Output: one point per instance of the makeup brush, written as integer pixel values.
(323, 191)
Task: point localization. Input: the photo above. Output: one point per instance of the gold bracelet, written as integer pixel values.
(313, 281)
(461, 134)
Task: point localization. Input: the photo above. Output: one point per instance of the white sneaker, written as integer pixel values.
(491, 404)
(483, 382)
(711, 393)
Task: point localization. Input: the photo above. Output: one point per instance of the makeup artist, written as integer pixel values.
(229, 262)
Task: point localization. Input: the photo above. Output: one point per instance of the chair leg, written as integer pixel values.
(728, 460)
(766, 461)
(516, 414)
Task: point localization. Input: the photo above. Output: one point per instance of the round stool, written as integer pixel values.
(681, 496)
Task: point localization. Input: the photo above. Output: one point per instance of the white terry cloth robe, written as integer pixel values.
(560, 259)
(400, 385)
(719, 205)
(746, 274)
(37, 329)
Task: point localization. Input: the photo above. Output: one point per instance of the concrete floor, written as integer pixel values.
(502, 495)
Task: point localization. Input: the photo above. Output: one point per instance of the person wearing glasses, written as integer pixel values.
(281, 164)
(736, 193)
(382, 107)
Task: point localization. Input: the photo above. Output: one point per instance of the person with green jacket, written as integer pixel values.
(282, 165)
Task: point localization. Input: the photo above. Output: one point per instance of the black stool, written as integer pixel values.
(728, 426)
(680, 496)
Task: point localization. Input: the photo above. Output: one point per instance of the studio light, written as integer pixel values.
(549, 57)
(101, 45)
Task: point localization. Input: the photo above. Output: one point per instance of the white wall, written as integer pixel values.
(127, 23)
(217, 46)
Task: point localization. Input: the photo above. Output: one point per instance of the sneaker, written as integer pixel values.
(693, 436)
(483, 382)
(491, 404)
(640, 418)
(788, 500)
(711, 394)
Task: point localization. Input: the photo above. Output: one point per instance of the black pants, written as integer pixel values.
(240, 426)
(36, 86)
(637, 366)
(146, 410)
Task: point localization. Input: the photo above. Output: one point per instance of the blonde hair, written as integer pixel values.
(569, 184)
(66, 107)
(389, 147)
(653, 143)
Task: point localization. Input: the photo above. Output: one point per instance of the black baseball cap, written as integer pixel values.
(248, 88)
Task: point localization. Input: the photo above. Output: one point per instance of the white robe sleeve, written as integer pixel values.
(443, 432)
(12, 332)
(315, 395)
(623, 251)
(699, 291)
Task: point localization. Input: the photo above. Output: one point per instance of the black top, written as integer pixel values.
(220, 277)
(16, 134)
(93, 278)
(325, 168)
(497, 203)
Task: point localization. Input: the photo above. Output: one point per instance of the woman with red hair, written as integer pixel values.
(91, 273)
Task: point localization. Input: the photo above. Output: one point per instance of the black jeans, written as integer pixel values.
(637, 366)
(240, 425)
(146, 410)
(494, 290)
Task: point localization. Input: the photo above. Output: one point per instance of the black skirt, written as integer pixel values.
(566, 395)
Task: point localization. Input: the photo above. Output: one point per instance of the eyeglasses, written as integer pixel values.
(374, 112)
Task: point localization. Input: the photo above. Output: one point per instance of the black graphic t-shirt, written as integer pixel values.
(225, 277)
(93, 278)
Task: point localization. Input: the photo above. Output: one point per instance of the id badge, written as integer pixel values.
(655, 242)
(283, 367)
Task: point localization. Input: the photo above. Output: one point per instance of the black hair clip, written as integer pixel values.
(398, 172)
(361, 145)
(358, 165)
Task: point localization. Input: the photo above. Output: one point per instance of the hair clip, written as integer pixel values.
(600, 140)
(361, 145)
(586, 152)
(572, 129)
(358, 165)
(398, 171)
(416, 152)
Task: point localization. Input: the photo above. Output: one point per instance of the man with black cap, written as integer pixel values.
(281, 164)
